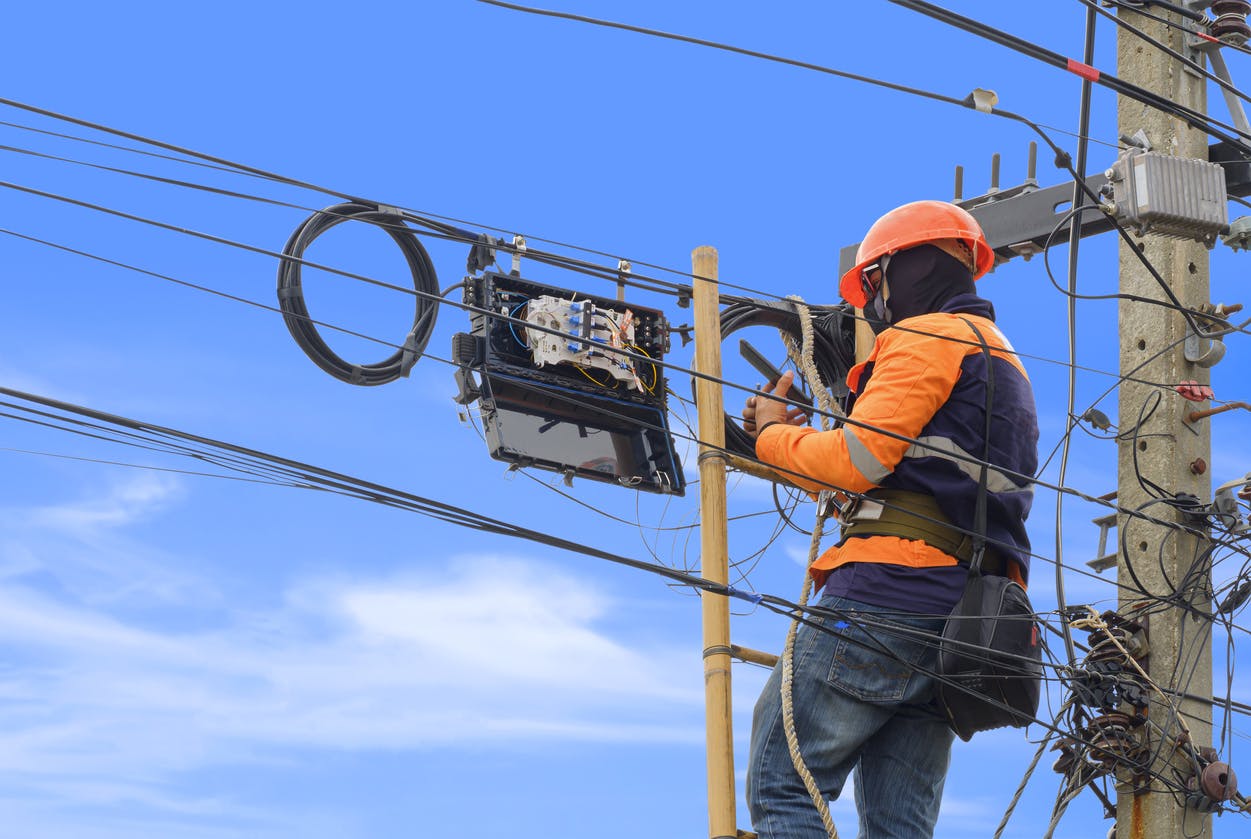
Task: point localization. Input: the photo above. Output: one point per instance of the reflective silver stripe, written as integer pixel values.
(863, 459)
(935, 446)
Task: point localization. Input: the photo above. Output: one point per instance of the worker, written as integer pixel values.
(908, 458)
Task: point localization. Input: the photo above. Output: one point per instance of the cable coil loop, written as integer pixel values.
(295, 312)
(833, 346)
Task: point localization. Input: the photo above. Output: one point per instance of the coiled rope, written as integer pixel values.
(802, 357)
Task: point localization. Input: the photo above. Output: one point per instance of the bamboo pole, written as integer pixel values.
(714, 557)
(755, 469)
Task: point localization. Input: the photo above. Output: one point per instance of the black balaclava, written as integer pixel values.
(921, 280)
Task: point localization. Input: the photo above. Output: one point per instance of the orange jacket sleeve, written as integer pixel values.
(913, 376)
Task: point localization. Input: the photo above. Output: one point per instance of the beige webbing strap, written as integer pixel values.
(822, 395)
(907, 515)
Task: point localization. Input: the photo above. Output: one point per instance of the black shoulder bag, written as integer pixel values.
(989, 668)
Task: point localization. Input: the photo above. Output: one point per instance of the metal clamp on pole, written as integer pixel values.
(519, 250)
(623, 273)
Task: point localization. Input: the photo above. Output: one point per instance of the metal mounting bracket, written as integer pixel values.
(1104, 560)
(519, 250)
(1202, 351)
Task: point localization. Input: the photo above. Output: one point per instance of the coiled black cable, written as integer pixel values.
(300, 324)
(834, 347)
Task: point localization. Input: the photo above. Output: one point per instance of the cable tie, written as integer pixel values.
(289, 291)
(1087, 72)
(982, 100)
(750, 597)
(409, 353)
(388, 210)
(357, 374)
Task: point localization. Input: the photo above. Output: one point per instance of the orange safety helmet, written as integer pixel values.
(911, 225)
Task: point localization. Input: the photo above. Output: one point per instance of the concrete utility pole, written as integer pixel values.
(1165, 446)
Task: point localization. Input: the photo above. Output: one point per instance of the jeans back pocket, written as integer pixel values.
(881, 663)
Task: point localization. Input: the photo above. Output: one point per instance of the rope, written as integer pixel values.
(802, 356)
(1020, 790)
(1063, 800)
(788, 711)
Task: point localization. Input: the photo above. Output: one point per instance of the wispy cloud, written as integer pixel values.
(84, 542)
(495, 651)
(124, 503)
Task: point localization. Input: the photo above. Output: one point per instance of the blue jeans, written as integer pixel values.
(855, 708)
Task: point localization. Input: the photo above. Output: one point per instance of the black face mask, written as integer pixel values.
(877, 314)
(921, 280)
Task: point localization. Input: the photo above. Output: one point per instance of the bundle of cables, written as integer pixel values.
(833, 351)
(302, 327)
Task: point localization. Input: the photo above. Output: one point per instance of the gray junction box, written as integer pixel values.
(1177, 197)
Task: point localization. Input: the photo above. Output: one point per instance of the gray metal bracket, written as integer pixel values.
(1212, 50)
(1104, 560)
(1017, 221)
(519, 250)
(1207, 350)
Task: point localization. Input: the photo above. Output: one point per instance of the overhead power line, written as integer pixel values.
(276, 469)
(1191, 117)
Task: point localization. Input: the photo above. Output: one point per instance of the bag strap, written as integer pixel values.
(979, 515)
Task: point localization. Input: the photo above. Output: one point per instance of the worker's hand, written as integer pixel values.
(761, 409)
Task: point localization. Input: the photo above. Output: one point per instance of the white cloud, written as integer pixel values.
(126, 502)
(105, 708)
(85, 543)
(499, 650)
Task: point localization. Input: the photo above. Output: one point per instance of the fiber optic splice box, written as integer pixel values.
(569, 382)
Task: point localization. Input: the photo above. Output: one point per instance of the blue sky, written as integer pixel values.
(200, 658)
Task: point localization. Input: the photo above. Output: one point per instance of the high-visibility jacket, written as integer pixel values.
(925, 384)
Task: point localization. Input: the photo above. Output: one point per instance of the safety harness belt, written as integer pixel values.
(906, 515)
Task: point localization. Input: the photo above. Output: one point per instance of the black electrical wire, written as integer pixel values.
(966, 102)
(1190, 116)
(833, 330)
(502, 317)
(1196, 16)
(431, 224)
(399, 227)
(147, 467)
(160, 439)
(447, 361)
(228, 193)
(1138, 8)
(198, 287)
(562, 261)
(129, 149)
(321, 479)
(1094, 8)
(784, 511)
(295, 312)
(199, 447)
(447, 230)
(1079, 170)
